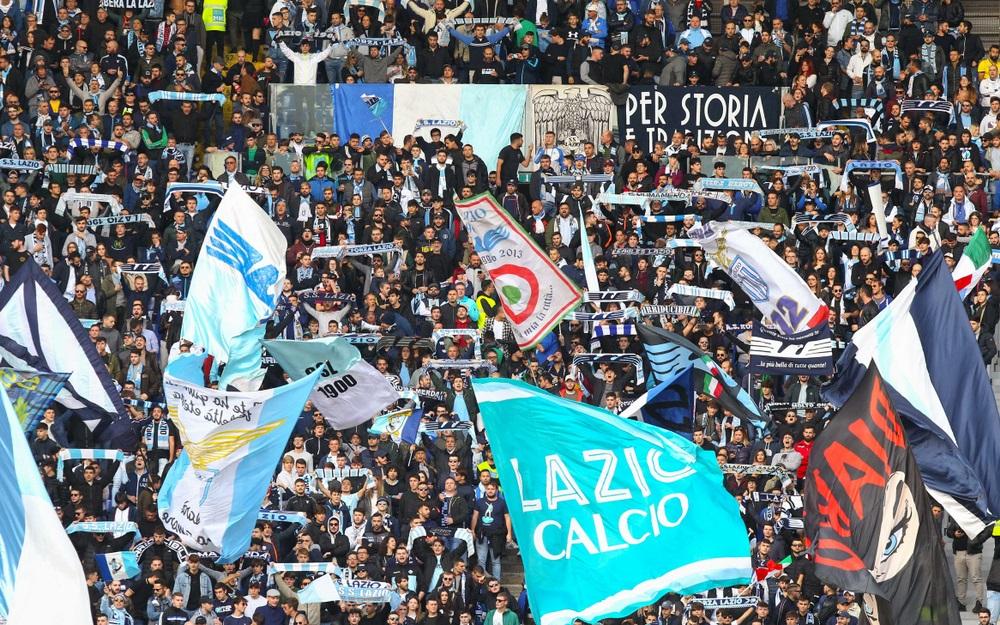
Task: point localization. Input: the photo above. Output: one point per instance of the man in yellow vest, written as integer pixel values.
(214, 17)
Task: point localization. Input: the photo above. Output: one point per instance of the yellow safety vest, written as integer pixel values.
(214, 14)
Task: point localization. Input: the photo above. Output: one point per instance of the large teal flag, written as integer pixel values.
(611, 514)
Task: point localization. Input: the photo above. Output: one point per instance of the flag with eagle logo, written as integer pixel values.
(771, 284)
(232, 442)
(534, 293)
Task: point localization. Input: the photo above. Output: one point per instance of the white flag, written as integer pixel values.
(770, 283)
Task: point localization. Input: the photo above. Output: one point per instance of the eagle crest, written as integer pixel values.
(576, 115)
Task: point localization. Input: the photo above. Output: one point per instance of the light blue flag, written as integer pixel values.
(365, 109)
(35, 553)
(611, 513)
(237, 281)
(117, 565)
(489, 126)
(232, 442)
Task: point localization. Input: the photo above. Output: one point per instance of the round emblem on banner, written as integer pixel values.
(519, 290)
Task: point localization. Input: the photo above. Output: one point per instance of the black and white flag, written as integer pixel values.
(804, 353)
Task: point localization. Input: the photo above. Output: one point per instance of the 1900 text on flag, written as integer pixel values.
(594, 495)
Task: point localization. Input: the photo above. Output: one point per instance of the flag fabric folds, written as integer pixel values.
(232, 442)
(534, 293)
(869, 517)
(401, 425)
(668, 405)
(672, 356)
(30, 393)
(243, 257)
(975, 260)
(930, 361)
(41, 334)
(773, 287)
(594, 495)
(37, 555)
(329, 588)
(117, 565)
(349, 392)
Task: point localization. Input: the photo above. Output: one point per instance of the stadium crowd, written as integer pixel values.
(431, 517)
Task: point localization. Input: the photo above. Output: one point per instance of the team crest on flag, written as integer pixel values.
(749, 280)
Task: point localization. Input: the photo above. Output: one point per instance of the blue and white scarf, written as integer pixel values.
(90, 142)
(86, 454)
(181, 96)
(695, 291)
(105, 527)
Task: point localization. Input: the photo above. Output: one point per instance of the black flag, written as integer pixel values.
(869, 517)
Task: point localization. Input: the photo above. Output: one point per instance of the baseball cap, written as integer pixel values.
(273, 593)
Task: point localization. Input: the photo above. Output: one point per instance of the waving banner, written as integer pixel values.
(232, 442)
(40, 334)
(869, 516)
(534, 293)
(244, 257)
(773, 287)
(931, 364)
(594, 494)
(350, 391)
(32, 541)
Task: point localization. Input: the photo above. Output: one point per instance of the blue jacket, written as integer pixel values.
(744, 206)
(272, 615)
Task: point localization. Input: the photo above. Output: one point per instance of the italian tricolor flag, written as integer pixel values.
(974, 262)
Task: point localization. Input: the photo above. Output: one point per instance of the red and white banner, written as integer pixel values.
(534, 293)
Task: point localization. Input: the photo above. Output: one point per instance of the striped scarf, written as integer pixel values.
(90, 142)
(625, 329)
(72, 168)
(614, 315)
(117, 528)
(695, 291)
(182, 96)
(86, 454)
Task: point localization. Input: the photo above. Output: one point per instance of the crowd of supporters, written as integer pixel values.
(431, 517)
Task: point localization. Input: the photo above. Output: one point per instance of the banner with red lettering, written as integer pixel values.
(867, 513)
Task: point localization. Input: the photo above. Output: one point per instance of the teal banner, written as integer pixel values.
(611, 514)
